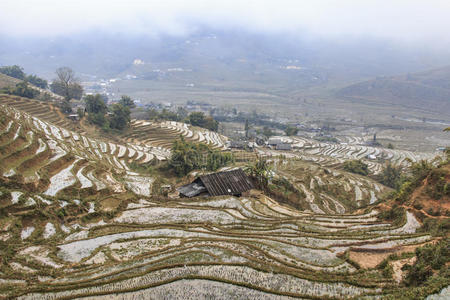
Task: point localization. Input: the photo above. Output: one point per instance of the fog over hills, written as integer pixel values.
(227, 52)
(428, 90)
(224, 149)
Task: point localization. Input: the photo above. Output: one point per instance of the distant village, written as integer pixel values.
(265, 131)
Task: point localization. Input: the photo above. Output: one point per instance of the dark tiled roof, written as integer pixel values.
(232, 182)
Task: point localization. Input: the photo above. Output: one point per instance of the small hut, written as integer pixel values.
(233, 182)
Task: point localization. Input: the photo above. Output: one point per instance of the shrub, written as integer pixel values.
(187, 157)
(13, 71)
(436, 227)
(391, 176)
(290, 130)
(357, 167)
(199, 119)
(39, 82)
(429, 257)
(395, 215)
(120, 117)
(22, 90)
(65, 107)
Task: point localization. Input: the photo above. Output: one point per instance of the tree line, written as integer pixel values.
(17, 72)
(181, 115)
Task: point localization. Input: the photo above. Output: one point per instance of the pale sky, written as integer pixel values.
(416, 21)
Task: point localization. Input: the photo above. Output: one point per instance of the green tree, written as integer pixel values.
(22, 90)
(127, 101)
(211, 124)
(391, 176)
(66, 84)
(420, 170)
(73, 91)
(182, 113)
(80, 112)
(153, 114)
(37, 81)
(429, 257)
(187, 157)
(199, 119)
(95, 104)
(13, 71)
(168, 115)
(261, 172)
(96, 109)
(120, 117)
(291, 130)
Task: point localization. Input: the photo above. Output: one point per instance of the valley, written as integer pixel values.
(80, 219)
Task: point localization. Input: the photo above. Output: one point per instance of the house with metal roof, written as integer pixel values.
(283, 146)
(233, 182)
(274, 142)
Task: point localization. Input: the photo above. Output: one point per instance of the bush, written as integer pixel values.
(420, 170)
(13, 71)
(95, 104)
(291, 130)
(199, 119)
(391, 176)
(187, 157)
(65, 107)
(429, 257)
(395, 215)
(22, 90)
(120, 117)
(357, 167)
(80, 112)
(98, 119)
(436, 227)
(39, 82)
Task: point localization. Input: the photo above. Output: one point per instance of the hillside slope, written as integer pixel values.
(428, 90)
(7, 81)
(76, 222)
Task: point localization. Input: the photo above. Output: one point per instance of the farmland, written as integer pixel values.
(79, 221)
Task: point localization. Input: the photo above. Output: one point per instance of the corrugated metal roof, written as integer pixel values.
(232, 182)
(191, 189)
(283, 146)
(273, 141)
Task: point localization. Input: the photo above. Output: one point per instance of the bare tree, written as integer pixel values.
(67, 84)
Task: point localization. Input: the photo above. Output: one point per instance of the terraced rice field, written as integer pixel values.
(58, 161)
(163, 134)
(42, 110)
(82, 225)
(250, 246)
(328, 190)
(331, 154)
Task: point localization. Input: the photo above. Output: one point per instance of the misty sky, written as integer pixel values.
(412, 21)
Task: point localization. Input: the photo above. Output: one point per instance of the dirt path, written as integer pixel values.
(397, 265)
